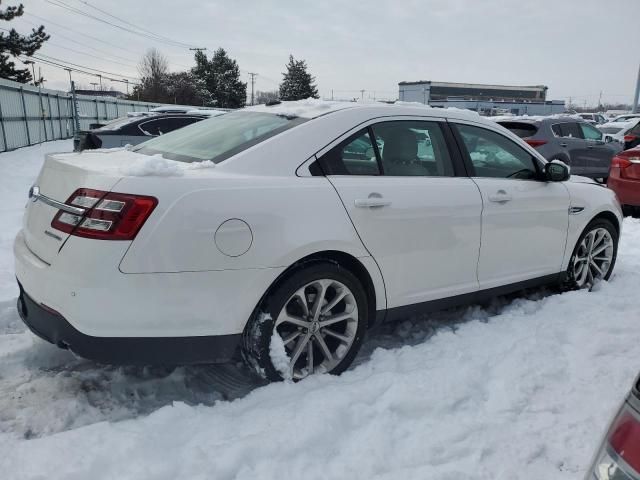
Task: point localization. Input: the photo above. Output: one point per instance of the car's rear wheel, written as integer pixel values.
(319, 314)
(594, 255)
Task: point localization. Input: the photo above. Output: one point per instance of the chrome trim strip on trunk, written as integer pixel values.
(35, 195)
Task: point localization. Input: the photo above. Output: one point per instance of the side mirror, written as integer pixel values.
(556, 171)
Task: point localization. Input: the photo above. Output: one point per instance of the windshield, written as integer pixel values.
(218, 138)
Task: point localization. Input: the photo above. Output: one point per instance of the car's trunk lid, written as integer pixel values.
(60, 176)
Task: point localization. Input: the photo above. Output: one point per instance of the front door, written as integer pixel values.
(418, 219)
(524, 219)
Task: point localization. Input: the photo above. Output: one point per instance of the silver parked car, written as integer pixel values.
(569, 139)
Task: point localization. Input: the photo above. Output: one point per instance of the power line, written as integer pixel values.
(126, 22)
(50, 58)
(73, 69)
(65, 6)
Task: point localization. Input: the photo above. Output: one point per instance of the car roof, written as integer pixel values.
(538, 119)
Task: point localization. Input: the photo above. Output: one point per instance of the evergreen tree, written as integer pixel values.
(12, 44)
(185, 88)
(297, 83)
(221, 76)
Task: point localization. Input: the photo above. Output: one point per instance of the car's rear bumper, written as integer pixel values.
(54, 328)
(627, 190)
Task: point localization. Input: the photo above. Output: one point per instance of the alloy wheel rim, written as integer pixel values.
(318, 325)
(593, 258)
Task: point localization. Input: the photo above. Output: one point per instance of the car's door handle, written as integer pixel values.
(500, 197)
(371, 202)
(563, 144)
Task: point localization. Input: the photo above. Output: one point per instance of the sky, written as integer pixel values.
(578, 48)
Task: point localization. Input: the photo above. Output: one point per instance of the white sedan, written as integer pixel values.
(284, 232)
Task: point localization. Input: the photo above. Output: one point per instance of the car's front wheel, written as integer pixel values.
(312, 322)
(594, 255)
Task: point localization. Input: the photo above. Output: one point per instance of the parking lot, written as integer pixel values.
(523, 387)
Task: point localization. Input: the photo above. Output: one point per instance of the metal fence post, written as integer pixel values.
(24, 111)
(4, 134)
(53, 132)
(59, 115)
(44, 121)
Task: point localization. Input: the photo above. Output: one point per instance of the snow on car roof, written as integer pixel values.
(207, 113)
(312, 108)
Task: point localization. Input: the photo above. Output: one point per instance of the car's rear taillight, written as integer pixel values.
(626, 159)
(535, 143)
(630, 138)
(108, 215)
(619, 454)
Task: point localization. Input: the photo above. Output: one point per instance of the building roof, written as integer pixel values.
(476, 85)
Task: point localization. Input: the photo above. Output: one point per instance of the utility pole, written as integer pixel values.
(332, 94)
(636, 97)
(253, 81)
(100, 77)
(600, 100)
(70, 81)
(362, 94)
(198, 49)
(127, 82)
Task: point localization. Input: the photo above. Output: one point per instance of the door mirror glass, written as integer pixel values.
(556, 171)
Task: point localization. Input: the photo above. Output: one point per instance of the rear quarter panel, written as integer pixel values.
(289, 218)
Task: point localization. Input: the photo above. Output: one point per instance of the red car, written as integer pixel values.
(624, 178)
(618, 457)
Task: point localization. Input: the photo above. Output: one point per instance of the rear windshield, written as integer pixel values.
(118, 123)
(218, 138)
(523, 130)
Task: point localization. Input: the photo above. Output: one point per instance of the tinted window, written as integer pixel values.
(494, 155)
(354, 156)
(523, 130)
(570, 129)
(412, 148)
(218, 138)
(589, 132)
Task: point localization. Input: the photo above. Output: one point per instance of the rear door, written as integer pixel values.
(524, 219)
(415, 210)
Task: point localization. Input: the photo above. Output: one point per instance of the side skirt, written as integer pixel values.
(405, 311)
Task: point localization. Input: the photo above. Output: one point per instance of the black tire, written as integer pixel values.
(256, 338)
(598, 223)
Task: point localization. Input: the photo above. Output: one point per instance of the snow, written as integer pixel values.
(520, 389)
(278, 352)
(309, 108)
(532, 118)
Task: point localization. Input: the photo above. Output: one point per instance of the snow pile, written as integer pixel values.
(152, 165)
(532, 118)
(278, 355)
(522, 389)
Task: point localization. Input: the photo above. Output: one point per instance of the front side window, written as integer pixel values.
(495, 156)
(412, 148)
(589, 132)
(218, 138)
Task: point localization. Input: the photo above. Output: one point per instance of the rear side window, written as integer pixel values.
(399, 148)
(523, 130)
(354, 156)
(569, 130)
(412, 149)
(218, 138)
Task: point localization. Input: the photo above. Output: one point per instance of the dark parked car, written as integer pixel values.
(569, 139)
(137, 129)
(632, 137)
(618, 457)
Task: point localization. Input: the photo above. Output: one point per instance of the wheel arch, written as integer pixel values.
(345, 260)
(611, 217)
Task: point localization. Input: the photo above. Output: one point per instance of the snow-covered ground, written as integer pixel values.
(521, 389)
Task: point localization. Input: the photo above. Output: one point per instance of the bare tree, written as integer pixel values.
(153, 70)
